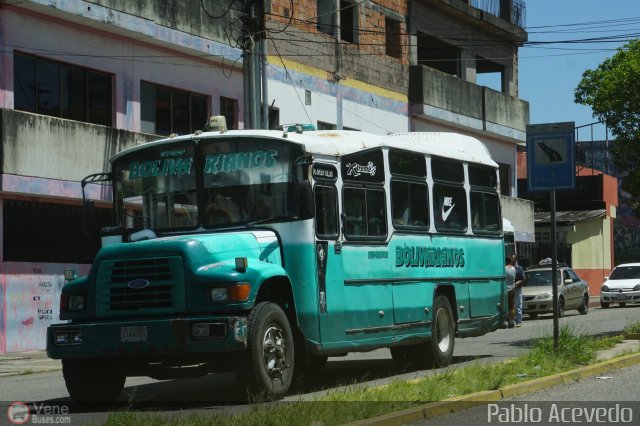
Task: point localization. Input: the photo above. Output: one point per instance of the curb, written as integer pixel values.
(463, 402)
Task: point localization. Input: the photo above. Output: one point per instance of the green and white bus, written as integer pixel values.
(265, 252)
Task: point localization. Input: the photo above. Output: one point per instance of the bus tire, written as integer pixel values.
(266, 367)
(411, 357)
(90, 380)
(443, 333)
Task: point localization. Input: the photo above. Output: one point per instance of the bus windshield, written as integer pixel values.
(243, 182)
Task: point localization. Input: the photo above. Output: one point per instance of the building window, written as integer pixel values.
(348, 21)
(164, 110)
(61, 90)
(322, 125)
(45, 232)
(393, 38)
(325, 13)
(229, 108)
(505, 184)
(274, 118)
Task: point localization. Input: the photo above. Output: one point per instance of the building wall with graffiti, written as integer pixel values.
(597, 155)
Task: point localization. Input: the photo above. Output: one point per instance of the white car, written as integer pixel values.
(622, 286)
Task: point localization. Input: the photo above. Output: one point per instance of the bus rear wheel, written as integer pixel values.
(442, 333)
(438, 352)
(266, 366)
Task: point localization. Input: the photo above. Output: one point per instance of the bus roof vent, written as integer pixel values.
(217, 123)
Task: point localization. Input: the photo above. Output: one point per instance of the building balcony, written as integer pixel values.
(438, 96)
(504, 18)
(49, 156)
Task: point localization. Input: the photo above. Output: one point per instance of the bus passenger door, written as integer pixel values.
(328, 249)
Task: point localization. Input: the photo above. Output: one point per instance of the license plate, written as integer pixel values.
(133, 334)
(621, 297)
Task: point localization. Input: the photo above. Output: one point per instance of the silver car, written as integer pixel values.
(537, 291)
(622, 286)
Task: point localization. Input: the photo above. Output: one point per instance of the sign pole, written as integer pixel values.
(554, 270)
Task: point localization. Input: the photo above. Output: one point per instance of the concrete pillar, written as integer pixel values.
(468, 66)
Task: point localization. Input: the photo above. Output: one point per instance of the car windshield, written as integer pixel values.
(540, 278)
(625, 273)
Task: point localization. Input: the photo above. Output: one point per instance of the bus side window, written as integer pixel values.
(409, 204)
(326, 212)
(450, 207)
(485, 208)
(365, 214)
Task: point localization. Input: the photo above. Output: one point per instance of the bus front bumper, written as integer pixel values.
(196, 335)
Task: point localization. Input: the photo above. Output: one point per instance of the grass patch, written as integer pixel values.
(356, 403)
(633, 328)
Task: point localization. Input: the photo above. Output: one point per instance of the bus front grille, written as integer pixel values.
(140, 285)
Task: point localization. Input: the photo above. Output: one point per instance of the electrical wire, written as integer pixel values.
(213, 16)
(295, 89)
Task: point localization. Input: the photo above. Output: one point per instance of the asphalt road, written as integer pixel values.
(219, 392)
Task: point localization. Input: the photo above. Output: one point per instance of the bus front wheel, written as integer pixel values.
(442, 333)
(266, 366)
(89, 380)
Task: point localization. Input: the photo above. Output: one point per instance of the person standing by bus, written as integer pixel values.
(510, 273)
(518, 289)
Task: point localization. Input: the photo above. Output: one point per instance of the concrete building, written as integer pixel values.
(83, 79)
(418, 65)
(80, 81)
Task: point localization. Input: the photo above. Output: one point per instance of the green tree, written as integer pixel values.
(613, 92)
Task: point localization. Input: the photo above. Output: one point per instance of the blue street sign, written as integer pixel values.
(551, 162)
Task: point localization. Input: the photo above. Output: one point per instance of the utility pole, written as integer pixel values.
(254, 65)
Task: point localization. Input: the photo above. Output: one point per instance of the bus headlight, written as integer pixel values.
(219, 294)
(238, 292)
(76, 302)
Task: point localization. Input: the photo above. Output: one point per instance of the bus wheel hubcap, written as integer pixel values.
(274, 348)
(442, 330)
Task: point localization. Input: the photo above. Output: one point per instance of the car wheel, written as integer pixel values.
(560, 307)
(584, 308)
(622, 305)
(604, 305)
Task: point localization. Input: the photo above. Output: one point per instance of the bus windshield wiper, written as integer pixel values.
(271, 219)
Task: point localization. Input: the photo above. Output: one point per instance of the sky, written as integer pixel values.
(549, 74)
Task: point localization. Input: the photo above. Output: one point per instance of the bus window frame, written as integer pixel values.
(367, 238)
(408, 227)
(485, 190)
(336, 212)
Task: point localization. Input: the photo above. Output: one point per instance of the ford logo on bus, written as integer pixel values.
(138, 283)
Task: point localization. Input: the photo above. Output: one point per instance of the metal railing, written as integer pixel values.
(518, 10)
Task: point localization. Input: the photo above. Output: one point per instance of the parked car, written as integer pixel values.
(622, 286)
(537, 291)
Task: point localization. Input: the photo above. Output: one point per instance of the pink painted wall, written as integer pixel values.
(31, 296)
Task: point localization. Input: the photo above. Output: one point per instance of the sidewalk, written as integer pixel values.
(23, 363)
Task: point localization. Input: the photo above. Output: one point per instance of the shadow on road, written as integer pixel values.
(221, 392)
